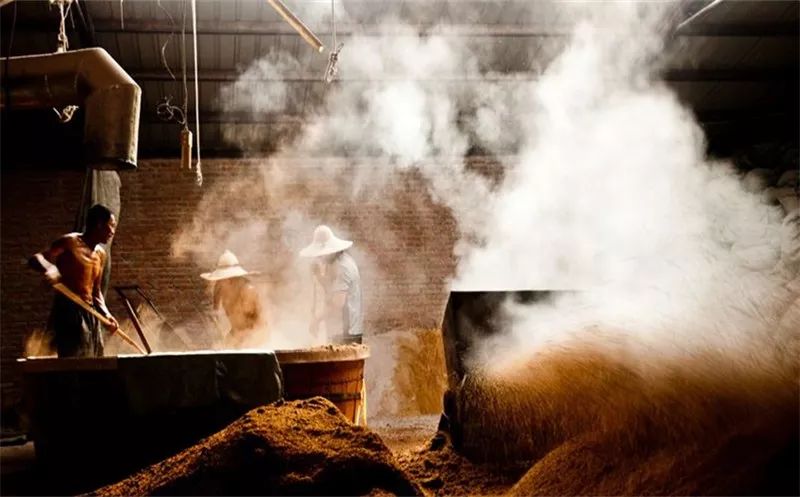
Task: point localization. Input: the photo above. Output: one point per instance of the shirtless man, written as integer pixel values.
(77, 260)
(234, 294)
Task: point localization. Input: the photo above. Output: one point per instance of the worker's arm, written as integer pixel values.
(45, 261)
(253, 309)
(318, 286)
(336, 302)
(97, 295)
(216, 297)
(329, 314)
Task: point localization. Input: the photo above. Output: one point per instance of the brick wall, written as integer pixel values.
(171, 230)
(36, 205)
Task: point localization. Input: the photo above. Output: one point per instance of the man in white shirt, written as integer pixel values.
(337, 273)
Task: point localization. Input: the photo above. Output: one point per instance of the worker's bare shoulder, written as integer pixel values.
(65, 242)
(68, 239)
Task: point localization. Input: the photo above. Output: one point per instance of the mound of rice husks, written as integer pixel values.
(288, 448)
(594, 424)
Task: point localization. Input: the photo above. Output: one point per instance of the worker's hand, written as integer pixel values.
(113, 326)
(52, 275)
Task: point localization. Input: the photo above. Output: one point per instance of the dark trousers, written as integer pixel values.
(75, 331)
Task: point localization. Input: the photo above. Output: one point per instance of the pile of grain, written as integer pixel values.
(595, 425)
(419, 376)
(406, 373)
(288, 448)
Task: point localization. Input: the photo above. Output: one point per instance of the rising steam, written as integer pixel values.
(605, 189)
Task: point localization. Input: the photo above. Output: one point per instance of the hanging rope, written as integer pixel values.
(62, 39)
(165, 110)
(183, 65)
(333, 56)
(199, 171)
(65, 115)
(169, 39)
(62, 45)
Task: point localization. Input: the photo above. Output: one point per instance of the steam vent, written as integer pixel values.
(417, 247)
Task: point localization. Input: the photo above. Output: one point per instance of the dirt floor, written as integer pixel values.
(406, 433)
(431, 461)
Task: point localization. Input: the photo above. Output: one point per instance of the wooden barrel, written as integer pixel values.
(333, 372)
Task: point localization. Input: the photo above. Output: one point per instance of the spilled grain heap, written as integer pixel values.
(596, 424)
(288, 448)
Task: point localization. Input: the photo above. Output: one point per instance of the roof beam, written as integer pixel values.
(287, 121)
(270, 28)
(778, 29)
(342, 29)
(672, 75)
(219, 117)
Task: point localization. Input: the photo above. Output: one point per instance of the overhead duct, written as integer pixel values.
(89, 78)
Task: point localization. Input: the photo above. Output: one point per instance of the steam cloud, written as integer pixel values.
(606, 189)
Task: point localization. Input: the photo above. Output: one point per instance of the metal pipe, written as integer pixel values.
(137, 324)
(297, 24)
(89, 78)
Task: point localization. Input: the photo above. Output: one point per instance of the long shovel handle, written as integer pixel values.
(73, 297)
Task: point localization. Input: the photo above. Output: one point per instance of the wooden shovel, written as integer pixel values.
(71, 295)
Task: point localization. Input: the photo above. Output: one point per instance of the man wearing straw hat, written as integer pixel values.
(234, 294)
(337, 273)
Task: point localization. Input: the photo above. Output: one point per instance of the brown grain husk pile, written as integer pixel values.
(287, 448)
(419, 376)
(406, 373)
(572, 422)
(595, 425)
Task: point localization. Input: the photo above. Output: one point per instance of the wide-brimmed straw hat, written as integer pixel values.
(325, 243)
(227, 267)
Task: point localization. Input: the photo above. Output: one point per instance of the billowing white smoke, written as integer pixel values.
(260, 88)
(398, 107)
(613, 197)
(608, 191)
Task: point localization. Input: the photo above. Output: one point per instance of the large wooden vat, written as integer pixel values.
(333, 372)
